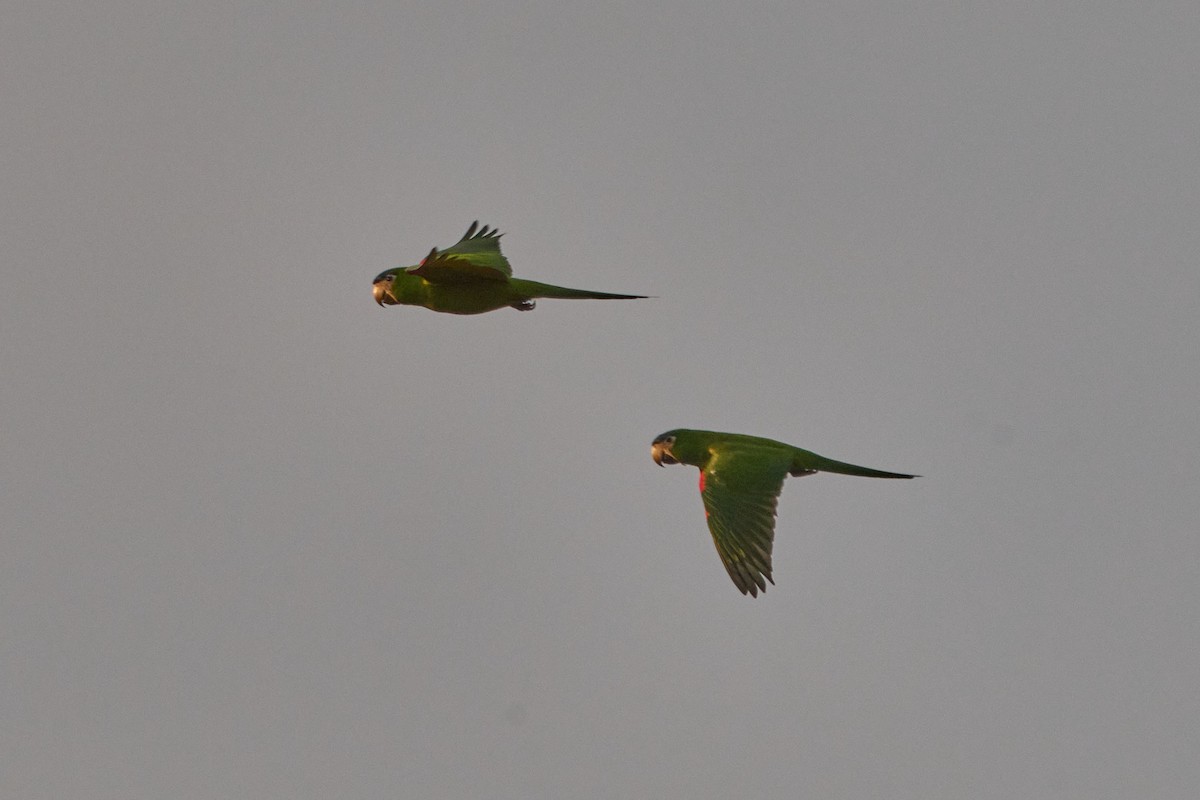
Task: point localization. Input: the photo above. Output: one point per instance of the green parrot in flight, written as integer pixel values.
(472, 277)
(740, 481)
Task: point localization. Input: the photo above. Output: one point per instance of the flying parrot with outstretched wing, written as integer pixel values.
(471, 277)
(740, 481)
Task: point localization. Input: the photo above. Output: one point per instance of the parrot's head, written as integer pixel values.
(661, 449)
(383, 287)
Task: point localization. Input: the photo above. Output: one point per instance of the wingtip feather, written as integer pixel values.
(476, 232)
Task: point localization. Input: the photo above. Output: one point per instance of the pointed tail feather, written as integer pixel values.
(535, 289)
(811, 461)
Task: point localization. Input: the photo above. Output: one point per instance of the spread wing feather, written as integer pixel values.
(740, 492)
(476, 257)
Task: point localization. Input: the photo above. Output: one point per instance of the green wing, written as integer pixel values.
(476, 257)
(740, 488)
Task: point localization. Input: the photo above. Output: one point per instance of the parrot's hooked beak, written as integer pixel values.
(380, 290)
(657, 452)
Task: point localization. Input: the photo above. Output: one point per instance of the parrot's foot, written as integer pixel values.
(524, 305)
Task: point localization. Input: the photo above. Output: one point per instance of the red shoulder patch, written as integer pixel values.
(701, 481)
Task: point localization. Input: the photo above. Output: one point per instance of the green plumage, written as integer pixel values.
(740, 481)
(472, 277)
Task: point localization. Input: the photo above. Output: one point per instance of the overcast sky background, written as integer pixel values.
(264, 539)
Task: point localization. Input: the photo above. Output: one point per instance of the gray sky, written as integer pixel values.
(264, 539)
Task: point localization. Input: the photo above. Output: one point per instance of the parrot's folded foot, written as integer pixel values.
(524, 305)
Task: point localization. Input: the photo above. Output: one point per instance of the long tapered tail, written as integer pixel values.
(805, 460)
(535, 289)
